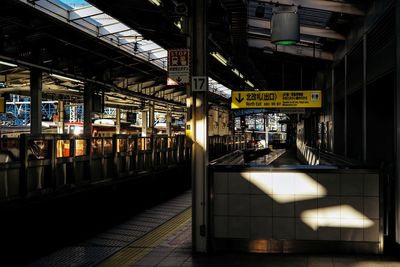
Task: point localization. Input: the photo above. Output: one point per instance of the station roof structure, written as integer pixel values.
(121, 46)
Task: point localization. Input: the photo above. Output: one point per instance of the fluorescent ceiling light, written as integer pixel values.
(249, 83)
(220, 58)
(8, 64)
(65, 78)
(155, 2)
(237, 73)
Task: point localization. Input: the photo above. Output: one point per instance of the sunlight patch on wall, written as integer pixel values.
(342, 216)
(286, 187)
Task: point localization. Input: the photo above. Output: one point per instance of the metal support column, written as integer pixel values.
(345, 104)
(333, 112)
(200, 129)
(397, 93)
(364, 122)
(266, 129)
(36, 101)
(151, 118)
(168, 121)
(144, 123)
(117, 120)
(60, 111)
(88, 107)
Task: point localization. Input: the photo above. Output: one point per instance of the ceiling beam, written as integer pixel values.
(337, 7)
(293, 50)
(313, 31)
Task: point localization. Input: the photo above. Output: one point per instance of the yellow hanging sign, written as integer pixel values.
(276, 99)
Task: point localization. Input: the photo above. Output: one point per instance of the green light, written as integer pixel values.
(286, 42)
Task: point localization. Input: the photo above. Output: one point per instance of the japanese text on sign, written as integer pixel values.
(276, 99)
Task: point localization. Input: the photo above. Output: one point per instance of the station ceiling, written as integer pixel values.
(114, 56)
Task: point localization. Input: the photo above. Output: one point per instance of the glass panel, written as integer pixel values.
(121, 145)
(108, 145)
(80, 147)
(141, 145)
(148, 143)
(132, 146)
(38, 149)
(9, 149)
(97, 146)
(63, 148)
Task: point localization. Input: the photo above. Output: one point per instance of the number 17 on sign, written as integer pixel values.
(199, 83)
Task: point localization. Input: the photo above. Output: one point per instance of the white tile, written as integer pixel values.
(329, 183)
(283, 228)
(282, 183)
(261, 227)
(237, 184)
(372, 233)
(355, 203)
(306, 184)
(220, 204)
(371, 207)
(351, 233)
(220, 226)
(283, 210)
(327, 203)
(239, 205)
(261, 183)
(351, 184)
(220, 183)
(260, 205)
(371, 185)
(305, 232)
(329, 233)
(239, 227)
(301, 206)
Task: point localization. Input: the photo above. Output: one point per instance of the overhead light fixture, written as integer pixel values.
(249, 83)
(8, 64)
(65, 78)
(236, 71)
(178, 23)
(285, 27)
(220, 58)
(155, 2)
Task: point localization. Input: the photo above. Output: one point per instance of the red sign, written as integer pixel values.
(179, 65)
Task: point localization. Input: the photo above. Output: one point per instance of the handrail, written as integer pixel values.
(46, 163)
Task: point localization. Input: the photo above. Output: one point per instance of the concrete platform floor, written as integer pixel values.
(162, 236)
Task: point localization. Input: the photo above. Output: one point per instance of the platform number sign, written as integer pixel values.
(199, 83)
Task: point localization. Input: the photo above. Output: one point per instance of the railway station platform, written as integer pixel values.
(162, 236)
(281, 118)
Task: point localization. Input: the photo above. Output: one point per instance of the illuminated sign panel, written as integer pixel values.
(276, 99)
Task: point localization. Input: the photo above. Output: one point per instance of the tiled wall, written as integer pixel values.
(293, 206)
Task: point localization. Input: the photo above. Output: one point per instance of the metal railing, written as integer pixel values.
(39, 164)
(220, 145)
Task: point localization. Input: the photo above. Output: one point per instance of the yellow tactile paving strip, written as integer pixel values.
(144, 245)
